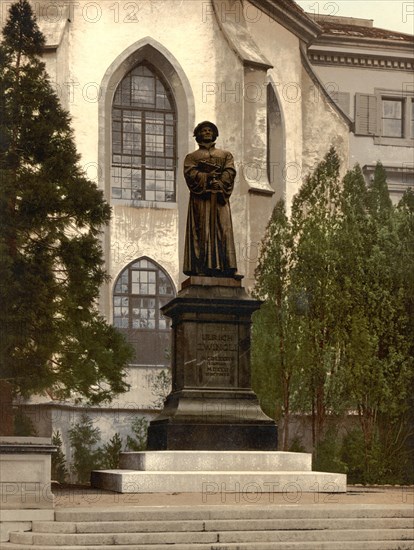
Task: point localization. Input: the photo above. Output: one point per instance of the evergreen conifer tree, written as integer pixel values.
(51, 217)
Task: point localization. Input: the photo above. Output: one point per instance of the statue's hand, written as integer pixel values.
(215, 185)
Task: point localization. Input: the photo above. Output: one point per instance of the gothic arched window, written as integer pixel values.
(140, 290)
(143, 138)
(275, 144)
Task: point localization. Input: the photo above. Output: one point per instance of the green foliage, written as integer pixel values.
(23, 425)
(296, 277)
(375, 465)
(87, 456)
(296, 446)
(265, 374)
(110, 452)
(59, 470)
(336, 332)
(328, 456)
(139, 428)
(160, 388)
(51, 217)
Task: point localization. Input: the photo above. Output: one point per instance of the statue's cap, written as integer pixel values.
(206, 123)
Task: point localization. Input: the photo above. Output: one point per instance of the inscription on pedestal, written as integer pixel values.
(217, 353)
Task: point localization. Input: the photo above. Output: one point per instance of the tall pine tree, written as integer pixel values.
(51, 217)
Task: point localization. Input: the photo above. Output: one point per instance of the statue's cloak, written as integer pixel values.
(209, 243)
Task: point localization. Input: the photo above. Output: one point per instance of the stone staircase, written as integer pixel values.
(243, 527)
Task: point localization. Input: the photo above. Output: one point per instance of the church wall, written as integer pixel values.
(304, 112)
(216, 78)
(281, 48)
(319, 114)
(155, 230)
(207, 63)
(95, 49)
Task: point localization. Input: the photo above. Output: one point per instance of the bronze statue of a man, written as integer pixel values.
(209, 173)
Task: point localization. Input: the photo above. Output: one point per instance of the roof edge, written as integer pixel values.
(292, 17)
(316, 80)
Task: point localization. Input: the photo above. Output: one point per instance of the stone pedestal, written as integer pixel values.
(211, 405)
(25, 483)
(212, 435)
(212, 472)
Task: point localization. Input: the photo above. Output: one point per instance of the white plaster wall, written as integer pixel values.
(304, 112)
(281, 48)
(362, 80)
(197, 56)
(323, 127)
(140, 232)
(208, 64)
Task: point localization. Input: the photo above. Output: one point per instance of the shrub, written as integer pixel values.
(87, 456)
(139, 427)
(59, 469)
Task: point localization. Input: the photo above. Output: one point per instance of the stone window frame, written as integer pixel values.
(146, 49)
(144, 112)
(407, 99)
(129, 295)
(159, 56)
(275, 141)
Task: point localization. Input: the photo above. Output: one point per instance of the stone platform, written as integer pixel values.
(208, 472)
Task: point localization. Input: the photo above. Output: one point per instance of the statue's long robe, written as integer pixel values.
(209, 243)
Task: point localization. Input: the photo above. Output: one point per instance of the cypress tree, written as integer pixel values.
(51, 218)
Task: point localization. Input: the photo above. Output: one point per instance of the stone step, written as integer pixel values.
(289, 527)
(319, 545)
(334, 541)
(212, 483)
(244, 461)
(132, 539)
(221, 525)
(236, 512)
(310, 535)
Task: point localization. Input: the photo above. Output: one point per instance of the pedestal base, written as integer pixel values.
(212, 405)
(212, 472)
(214, 437)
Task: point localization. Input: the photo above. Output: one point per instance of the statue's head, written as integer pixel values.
(200, 134)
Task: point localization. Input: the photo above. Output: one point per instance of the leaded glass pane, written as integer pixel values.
(143, 91)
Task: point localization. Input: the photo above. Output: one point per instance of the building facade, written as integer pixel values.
(136, 77)
(369, 73)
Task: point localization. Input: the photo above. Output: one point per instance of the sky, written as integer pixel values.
(397, 15)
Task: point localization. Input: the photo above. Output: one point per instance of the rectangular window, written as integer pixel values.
(387, 116)
(392, 118)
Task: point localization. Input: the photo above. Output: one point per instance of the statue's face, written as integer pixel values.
(206, 134)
